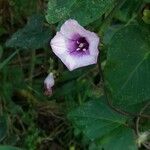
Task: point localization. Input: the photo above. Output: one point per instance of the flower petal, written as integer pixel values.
(77, 62)
(93, 46)
(58, 43)
(71, 27)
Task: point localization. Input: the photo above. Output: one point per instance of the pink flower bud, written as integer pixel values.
(48, 84)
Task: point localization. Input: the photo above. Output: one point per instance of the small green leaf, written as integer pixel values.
(96, 119)
(83, 11)
(127, 71)
(33, 36)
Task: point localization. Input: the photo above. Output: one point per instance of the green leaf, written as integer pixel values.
(3, 127)
(96, 119)
(127, 71)
(121, 138)
(58, 10)
(83, 11)
(33, 36)
(110, 32)
(8, 148)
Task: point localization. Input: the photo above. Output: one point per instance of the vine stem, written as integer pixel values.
(7, 60)
(32, 66)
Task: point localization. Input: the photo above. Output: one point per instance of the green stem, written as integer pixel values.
(32, 66)
(6, 61)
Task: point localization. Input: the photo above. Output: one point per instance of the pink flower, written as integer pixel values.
(48, 84)
(75, 46)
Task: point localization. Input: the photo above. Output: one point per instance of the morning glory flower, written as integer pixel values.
(48, 84)
(75, 46)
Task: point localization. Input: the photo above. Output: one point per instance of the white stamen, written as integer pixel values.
(84, 49)
(77, 42)
(81, 45)
(77, 49)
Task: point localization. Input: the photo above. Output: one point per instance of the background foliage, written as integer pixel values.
(100, 107)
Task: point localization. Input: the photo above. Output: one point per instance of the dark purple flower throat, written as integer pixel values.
(78, 45)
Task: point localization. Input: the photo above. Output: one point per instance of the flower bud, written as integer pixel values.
(48, 84)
